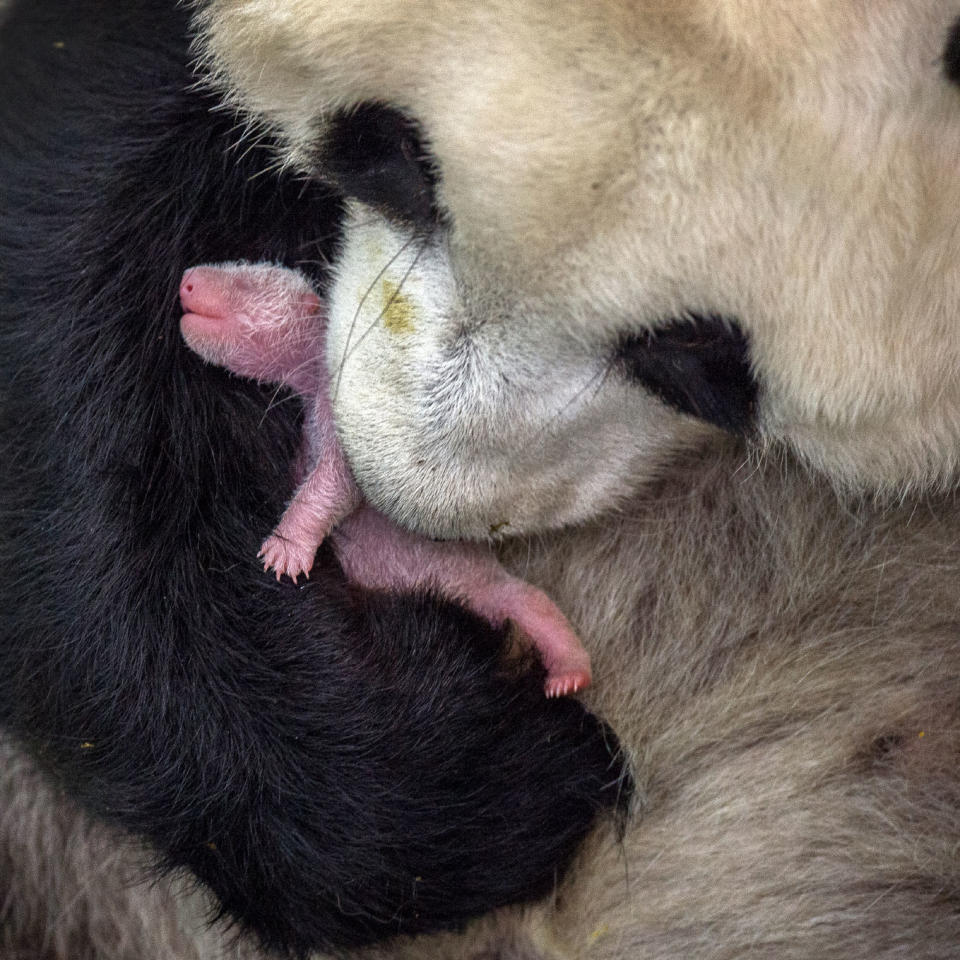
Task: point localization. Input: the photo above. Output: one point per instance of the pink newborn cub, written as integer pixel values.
(266, 322)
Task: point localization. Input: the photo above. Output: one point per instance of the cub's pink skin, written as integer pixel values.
(266, 322)
(376, 553)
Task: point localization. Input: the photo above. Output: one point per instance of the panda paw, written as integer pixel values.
(287, 556)
(565, 684)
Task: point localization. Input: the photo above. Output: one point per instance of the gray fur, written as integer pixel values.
(783, 669)
(781, 665)
(72, 889)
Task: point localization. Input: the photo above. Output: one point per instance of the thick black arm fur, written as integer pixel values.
(337, 767)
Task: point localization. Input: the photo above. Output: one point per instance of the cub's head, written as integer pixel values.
(577, 234)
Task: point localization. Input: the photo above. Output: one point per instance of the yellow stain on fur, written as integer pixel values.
(398, 311)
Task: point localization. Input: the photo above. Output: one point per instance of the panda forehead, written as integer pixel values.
(524, 97)
(379, 39)
(296, 62)
(345, 52)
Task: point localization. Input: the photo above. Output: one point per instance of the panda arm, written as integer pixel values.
(335, 767)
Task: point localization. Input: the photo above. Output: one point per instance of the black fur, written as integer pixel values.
(375, 154)
(951, 54)
(337, 767)
(700, 365)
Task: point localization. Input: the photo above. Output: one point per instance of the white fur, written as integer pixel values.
(460, 416)
(609, 165)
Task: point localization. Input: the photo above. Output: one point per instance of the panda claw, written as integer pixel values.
(566, 684)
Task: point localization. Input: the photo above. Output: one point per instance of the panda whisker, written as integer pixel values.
(595, 381)
(349, 348)
(271, 169)
(277, 399)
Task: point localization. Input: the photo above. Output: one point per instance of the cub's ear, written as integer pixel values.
(951, 54)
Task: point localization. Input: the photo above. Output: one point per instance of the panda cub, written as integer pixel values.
(266, 322)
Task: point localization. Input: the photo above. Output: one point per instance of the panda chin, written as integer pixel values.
(466, 414)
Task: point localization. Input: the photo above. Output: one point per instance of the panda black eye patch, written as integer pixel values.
(951, 54)
(699, 365)
(375, 154)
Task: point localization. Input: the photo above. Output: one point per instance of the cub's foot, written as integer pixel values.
(287, 556)
(542, 624)
(565, 684)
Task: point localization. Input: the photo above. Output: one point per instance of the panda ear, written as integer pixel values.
(951, 54)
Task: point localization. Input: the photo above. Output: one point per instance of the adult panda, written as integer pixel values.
(745, 207)
(780, 665)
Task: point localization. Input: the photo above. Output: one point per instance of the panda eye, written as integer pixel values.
(700, 365)
(375, 154)
(951, 54)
